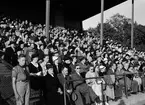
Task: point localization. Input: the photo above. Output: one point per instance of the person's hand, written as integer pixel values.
(17, 96)
(60, 91)
(69, 91)
(38, 74)
(116, 83)
(45, 72)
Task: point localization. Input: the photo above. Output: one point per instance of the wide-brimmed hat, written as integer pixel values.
(74, 96)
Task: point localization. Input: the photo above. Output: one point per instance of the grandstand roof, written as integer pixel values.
(73, 9)
(83, 9)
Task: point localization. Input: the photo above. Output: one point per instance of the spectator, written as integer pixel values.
(11, 55)
(20, 82)
(95, 84)
(53, 88)
(69, 47)
(82, 88)
(56, 65)
(64, 78)
(35, 72)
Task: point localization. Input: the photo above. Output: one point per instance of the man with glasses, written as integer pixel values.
(82, 89)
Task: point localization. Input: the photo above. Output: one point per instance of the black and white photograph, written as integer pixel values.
(72, 52)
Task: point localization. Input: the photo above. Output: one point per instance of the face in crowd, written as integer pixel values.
(102, 68)
(114, 66)
(35, 59)
(50, 71)
(119, 67)
(46, 59)
(22, 60)
(91, 69)
(65, 71)
(77, 69)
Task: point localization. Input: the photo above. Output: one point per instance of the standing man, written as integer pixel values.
(20, 82)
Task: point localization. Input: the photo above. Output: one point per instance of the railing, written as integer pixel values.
(124, 76)
(103, 100)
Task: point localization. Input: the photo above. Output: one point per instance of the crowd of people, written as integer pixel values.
(68, 57)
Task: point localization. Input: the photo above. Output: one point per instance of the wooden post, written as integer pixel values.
(126, 93)
(47, 19)
(103, 97)
(102, 18)
(132, 25)
(64, 93)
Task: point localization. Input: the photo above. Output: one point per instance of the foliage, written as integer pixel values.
(118, 28)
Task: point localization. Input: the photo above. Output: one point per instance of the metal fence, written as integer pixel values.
(141, 75)
(7, 92)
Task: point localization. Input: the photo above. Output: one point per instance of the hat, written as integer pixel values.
(140, 59)
(101, 67)
(74, 96)
(81, 58)
(124, 60)
(48, 66)
(12, 42)
(64, 50)
(131, 59)
(35, 55)
(105, 59)
(67, 58)
(135, 65)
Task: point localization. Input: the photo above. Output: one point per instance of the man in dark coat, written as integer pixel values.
(82, 88)
(64, 78)
(53, 88)
(10, 54)
(56, 65)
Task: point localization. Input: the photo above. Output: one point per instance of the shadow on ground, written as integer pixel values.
(121, 102)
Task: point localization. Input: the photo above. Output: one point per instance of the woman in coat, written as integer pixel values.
(35, 73)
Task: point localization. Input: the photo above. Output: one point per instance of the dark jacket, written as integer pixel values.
(57, 70)
(66, 79)
(77, 77)
(10, 56)
(52, 96)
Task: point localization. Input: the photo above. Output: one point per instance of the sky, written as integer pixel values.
(124, 8)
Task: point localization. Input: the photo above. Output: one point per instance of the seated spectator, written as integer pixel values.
(82, 88)
(121, 79)
(137, 77)
(83, 67)
(110, 81)
(56, 65)
(64, 78)
(95, 83)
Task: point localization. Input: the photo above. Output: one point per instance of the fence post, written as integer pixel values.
(126, 93)
(143, 80)
(103, 99)
(64, 93)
